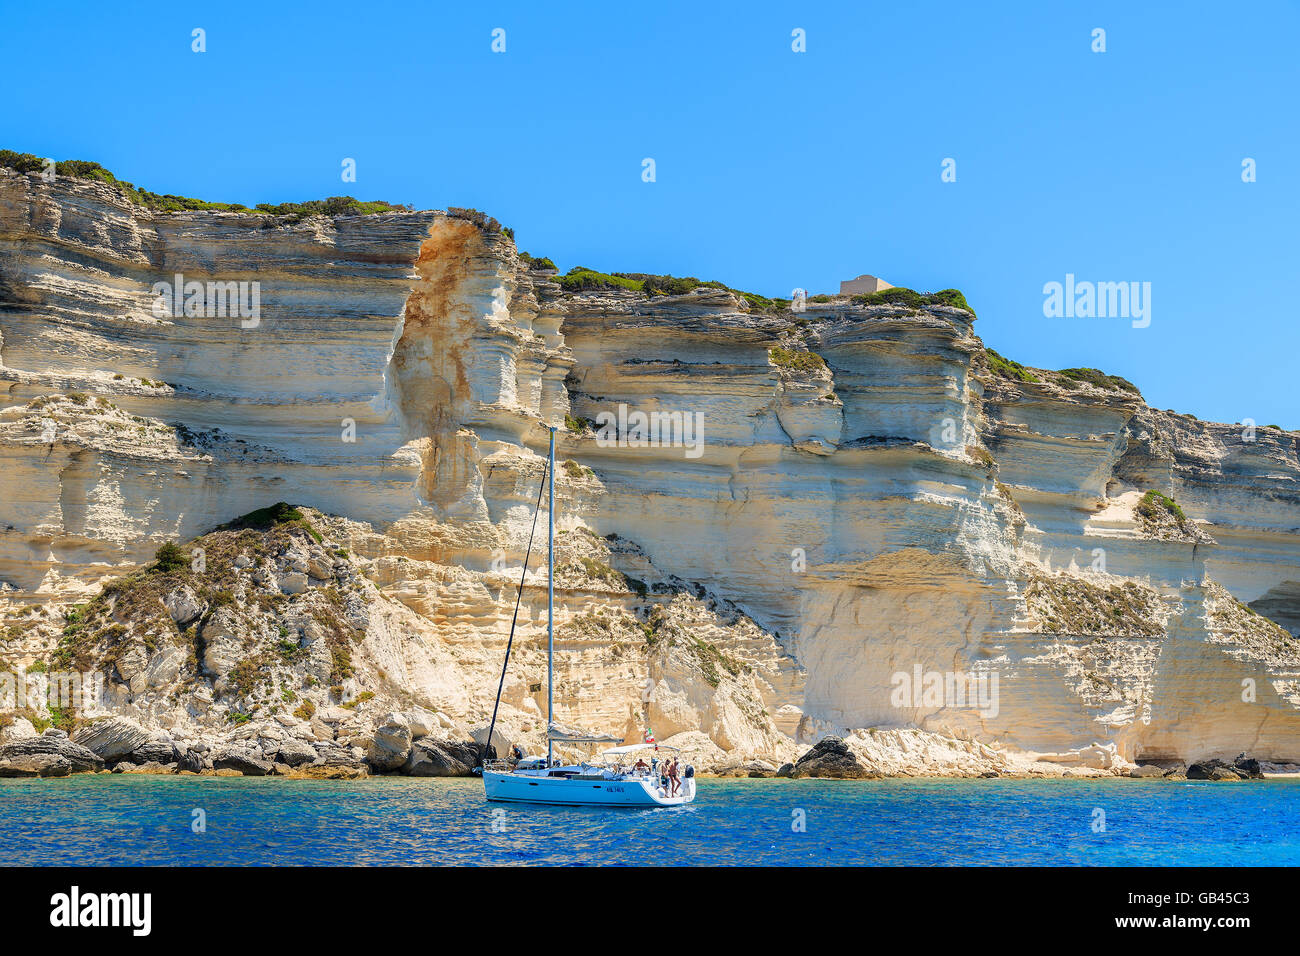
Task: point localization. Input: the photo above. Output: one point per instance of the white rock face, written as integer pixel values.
(112, 737)
(184, 606)
(897, 539)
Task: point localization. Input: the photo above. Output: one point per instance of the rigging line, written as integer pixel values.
(487, 744)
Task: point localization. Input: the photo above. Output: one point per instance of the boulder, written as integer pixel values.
(165, 666)
(241, 761)
(1248, 767)
(295, 582)
(295, 752)
(80, 760)
(441, 758)
(420, 722)
(184, 605)
(223, 645)
(160, 750)
(20, 729)
(189, 761)
(392, 743)
(35, 765)
(320, 566)
(1146, 770)
(831, 757)
(330, 754)
(500, 742)
(1215, 770)
(112, 738)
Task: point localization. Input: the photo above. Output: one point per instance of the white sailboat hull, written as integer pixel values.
(573, 792)
(580, 785)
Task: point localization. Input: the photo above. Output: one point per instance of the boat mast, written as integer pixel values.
(550, 598)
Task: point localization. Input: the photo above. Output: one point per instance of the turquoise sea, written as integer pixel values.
(127, 820)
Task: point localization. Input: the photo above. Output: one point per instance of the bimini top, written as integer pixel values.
(630, 748)
(568, 735)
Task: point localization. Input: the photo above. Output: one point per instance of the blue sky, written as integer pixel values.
(774, 169)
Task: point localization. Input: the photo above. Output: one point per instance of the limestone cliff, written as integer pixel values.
(874, 497)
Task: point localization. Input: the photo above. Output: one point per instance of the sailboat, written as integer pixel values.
(584, 783)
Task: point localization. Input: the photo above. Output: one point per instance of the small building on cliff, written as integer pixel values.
(863, 285)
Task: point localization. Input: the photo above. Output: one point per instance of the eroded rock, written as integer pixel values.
(830, 757)
(79, 759)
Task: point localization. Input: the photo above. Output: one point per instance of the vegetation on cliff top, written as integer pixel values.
(1013, 371)
(84, 169)
(909, 298)
(1098, 378)
(1008, 368)
(480, 219)
(583, 278)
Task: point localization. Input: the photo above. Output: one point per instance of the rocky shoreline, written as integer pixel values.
(117, 745)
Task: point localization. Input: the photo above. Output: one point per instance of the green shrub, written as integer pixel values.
(654, 285)
(480, 219)
(541, 262)
(333, 206)
(84, 169)
(580, 278)
(21, 162)
(794, 360)
(894, 296)
(1098, 378)
(1153, 504)
(170, 558)
(759, 303)
(280, 513)
(951, 297)
(913, 300)
(1007, 368)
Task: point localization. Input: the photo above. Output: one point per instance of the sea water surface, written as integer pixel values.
(146, 820)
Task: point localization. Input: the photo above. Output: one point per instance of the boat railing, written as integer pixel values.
(497, 764)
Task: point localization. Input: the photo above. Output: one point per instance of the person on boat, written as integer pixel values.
(516, 753)
(672, 776)
(640, 766)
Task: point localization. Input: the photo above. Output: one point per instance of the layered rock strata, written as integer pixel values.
(859, 525)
